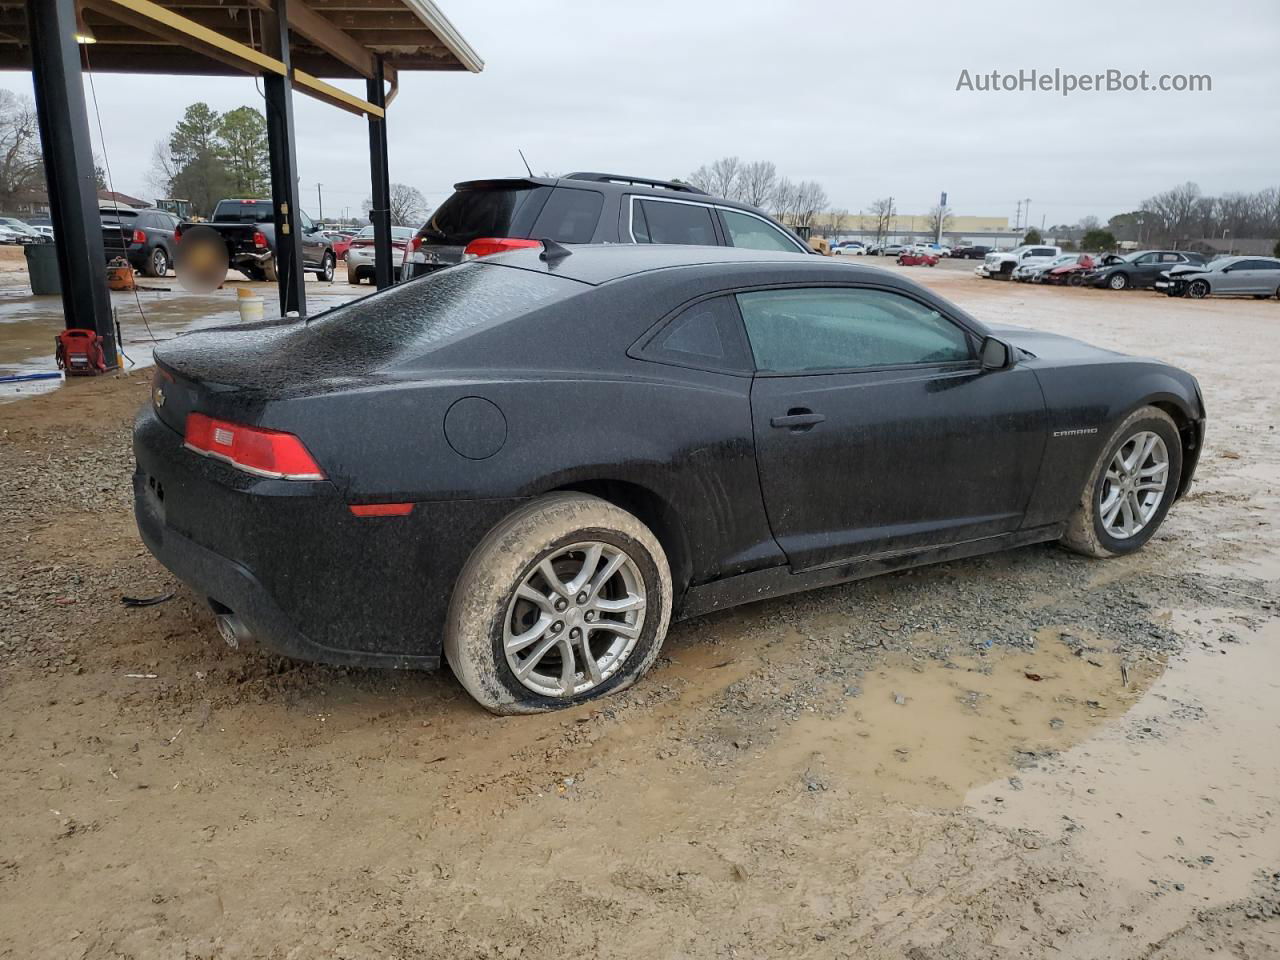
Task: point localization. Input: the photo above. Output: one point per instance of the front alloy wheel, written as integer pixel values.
(1198, 290)
(1134, 485)
(1118, 281)
(1130, 489)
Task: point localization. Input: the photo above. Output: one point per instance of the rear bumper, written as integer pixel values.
(289, 559)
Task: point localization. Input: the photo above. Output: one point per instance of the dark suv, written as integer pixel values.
(143, 237)
(488, 216)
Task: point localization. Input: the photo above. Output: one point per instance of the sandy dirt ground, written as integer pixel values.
(1023, 755)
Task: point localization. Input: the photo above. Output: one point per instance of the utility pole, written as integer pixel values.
(1026, 209)
(319, 204)
(1017, 219)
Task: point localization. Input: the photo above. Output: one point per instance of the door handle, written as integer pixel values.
(798, 419)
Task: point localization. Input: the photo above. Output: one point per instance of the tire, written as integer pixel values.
(1118, 281)
(1075, 280)
(328, 266)
(269, 272)
(156, 265)
(1086, 532)
(1198, 289)
(484, 607)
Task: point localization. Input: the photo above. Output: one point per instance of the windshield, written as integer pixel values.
(242, 211)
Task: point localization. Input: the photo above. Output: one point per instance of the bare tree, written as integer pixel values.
(756, 182)
(811, 200)
(884, 211)
(835, 221)
(725, 174)
(163, 169)
(408, 205)
(21, 166)
(700, 178)
(938, 219)
(1176, 212)
(1089, 223)
(783, 201)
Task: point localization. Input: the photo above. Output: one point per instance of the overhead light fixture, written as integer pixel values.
(84, 33)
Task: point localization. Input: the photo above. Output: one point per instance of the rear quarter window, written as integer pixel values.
(659, 221)
(570, 216)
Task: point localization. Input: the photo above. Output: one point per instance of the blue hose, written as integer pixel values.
(19, 377)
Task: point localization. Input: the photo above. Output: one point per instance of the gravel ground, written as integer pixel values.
(1021, 755)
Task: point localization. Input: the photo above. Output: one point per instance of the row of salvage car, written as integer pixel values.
(1177, 273)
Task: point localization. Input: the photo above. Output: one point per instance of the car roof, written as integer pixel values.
(613, 183)
(600, 263)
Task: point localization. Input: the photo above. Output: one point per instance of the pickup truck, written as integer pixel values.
(1001, 263)
(249, 230)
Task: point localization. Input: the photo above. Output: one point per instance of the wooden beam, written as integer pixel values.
(315, 87)
(326, 35)
(163, 22)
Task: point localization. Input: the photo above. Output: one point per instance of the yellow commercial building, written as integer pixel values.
(918, 224)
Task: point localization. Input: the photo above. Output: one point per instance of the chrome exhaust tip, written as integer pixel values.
(233, 630)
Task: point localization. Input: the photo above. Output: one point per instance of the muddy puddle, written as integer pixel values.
(925, 732)
(1178, 799)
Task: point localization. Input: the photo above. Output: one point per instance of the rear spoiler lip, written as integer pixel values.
(499, 183)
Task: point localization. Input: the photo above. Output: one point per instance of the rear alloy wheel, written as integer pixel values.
(157, 265)
(1118, 281)
(1130, 489)
(1198, 290)
(269, 270)
(327, 267)
(567, 599)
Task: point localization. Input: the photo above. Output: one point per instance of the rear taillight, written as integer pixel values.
(486, 246)
(139, 237)
(259, 239)
(264, 453)
(177, 233)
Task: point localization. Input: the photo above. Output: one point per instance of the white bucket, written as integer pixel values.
(251, 308)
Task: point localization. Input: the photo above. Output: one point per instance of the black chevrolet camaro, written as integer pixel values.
(530, 463)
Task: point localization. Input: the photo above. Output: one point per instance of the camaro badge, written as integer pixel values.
(1075, 433)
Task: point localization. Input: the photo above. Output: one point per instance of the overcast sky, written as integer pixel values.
(860, 97)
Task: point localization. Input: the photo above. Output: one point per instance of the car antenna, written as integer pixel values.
(553, 252)
(524, 161)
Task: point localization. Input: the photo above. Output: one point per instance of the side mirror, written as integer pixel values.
(996, 354)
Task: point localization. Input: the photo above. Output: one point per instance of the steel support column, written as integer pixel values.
(380, 214)
(68, 167)
(284, 162)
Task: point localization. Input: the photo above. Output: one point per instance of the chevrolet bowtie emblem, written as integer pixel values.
(159, 396)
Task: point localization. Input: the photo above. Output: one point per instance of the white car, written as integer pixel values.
(1001, 263)
(360, 253)
(10, 236)
(851, 248)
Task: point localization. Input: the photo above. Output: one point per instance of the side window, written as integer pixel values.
(675, 223)
(812, 330)
(1147, 259)
(1044, 252)
(305, 222)
(1172, 258)
(1266, 264)
(570, 216)
(706, 335)
(744, 230)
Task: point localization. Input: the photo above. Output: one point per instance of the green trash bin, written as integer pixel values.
(42, 264)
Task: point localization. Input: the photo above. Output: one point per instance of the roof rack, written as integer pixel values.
(645, 181)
